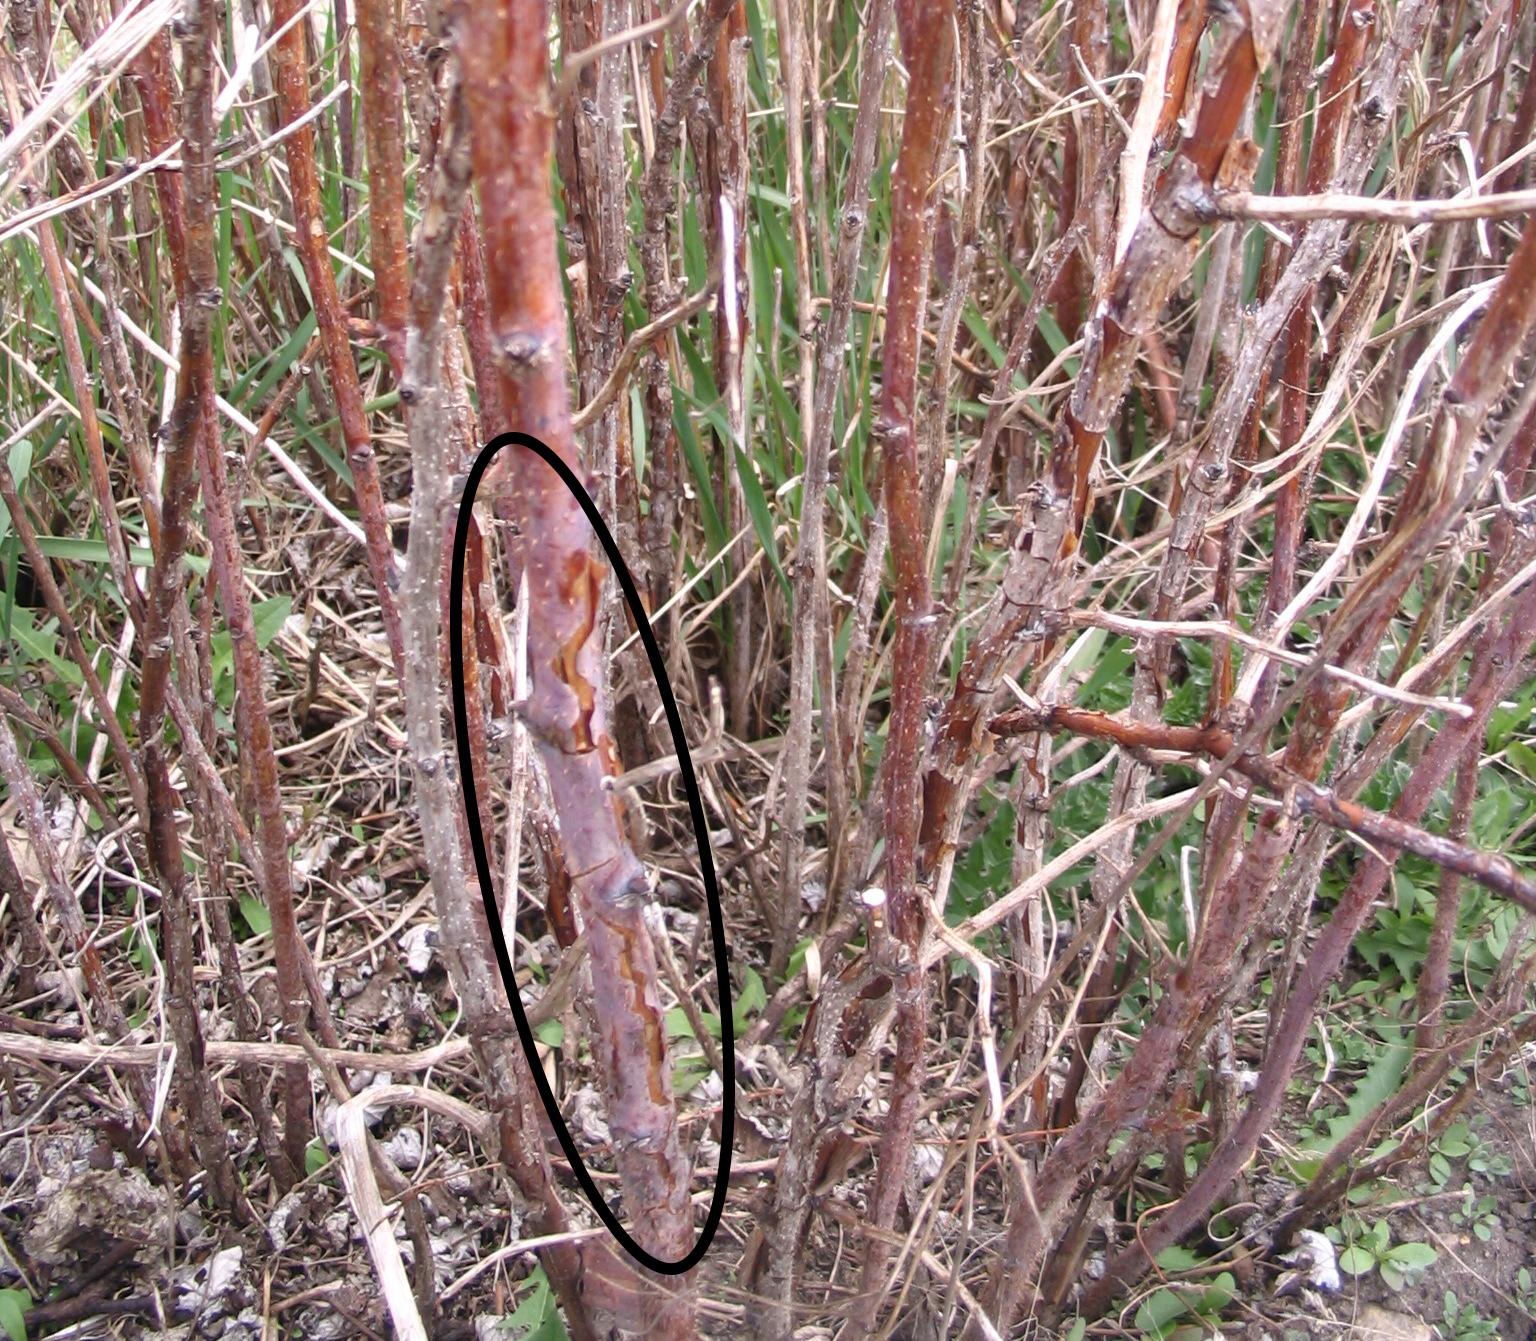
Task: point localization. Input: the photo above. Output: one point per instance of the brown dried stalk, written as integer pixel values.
(192, 421)
(1432, 497)
(1184, 1006)
(724, 177)
(253, 724)
(1490, 869)
(1342, 1168)
(590, 151)
(290, 61)
(1435, 974)
(927, 38)
(1374, 209)
(437, 452)
(810, 543)
(99, 991)
(254, 730)
(84, 389)
(1181, 66)
(1335, 100)
(1056, 506)
(383, 134)
(614, 384)
(1131, 778)
(18, 896)
(1355, 628)
(119, 378)
(840, 1042)
(1150, 104)
(42, 572)
(475, 322)
(656, 187)
(1085, 50)
(213, 833)
(1039, 563)
(49, 735)
(506, 68)
(180, 1009)
(977, 486)
(1499, 667)
(1232, 420)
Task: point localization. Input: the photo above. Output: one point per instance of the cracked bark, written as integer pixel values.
(505, 61)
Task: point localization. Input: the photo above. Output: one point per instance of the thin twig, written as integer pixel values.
(1371, 209)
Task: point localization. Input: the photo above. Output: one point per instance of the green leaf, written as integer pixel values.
(551, 1033)
(981, 332)
(1356, 1261)
(40, 643)
(703, 489)
(1304, 1168)
(1523, 757)
(689, 1073)
(1454, 1142)
(268, 617)
(21, 467)
(76, 550)
(749, 1001)
(1084, 654)
(768, 195)
(141, 953)
(1045, 323)
(638, 443)
(1412, 1256)
(13, 1309)
(537, 1317)
(1491, 814)
(796, 965)
(316, 1157)
(757, 509)
(1218, 1294)
(276, 366)
(256, 915)
(1161, 1309)
(1379, 1083)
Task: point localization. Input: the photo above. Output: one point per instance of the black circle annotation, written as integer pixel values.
(483, 866)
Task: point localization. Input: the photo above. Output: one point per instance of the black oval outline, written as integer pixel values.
(483, 865)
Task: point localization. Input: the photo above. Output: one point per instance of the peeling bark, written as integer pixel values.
(506, 66)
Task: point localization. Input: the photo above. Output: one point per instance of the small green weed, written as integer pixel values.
(1184, 1311)
(1365, 1248)
(537, 1317)
(1462, 1322)
(13, 1313)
